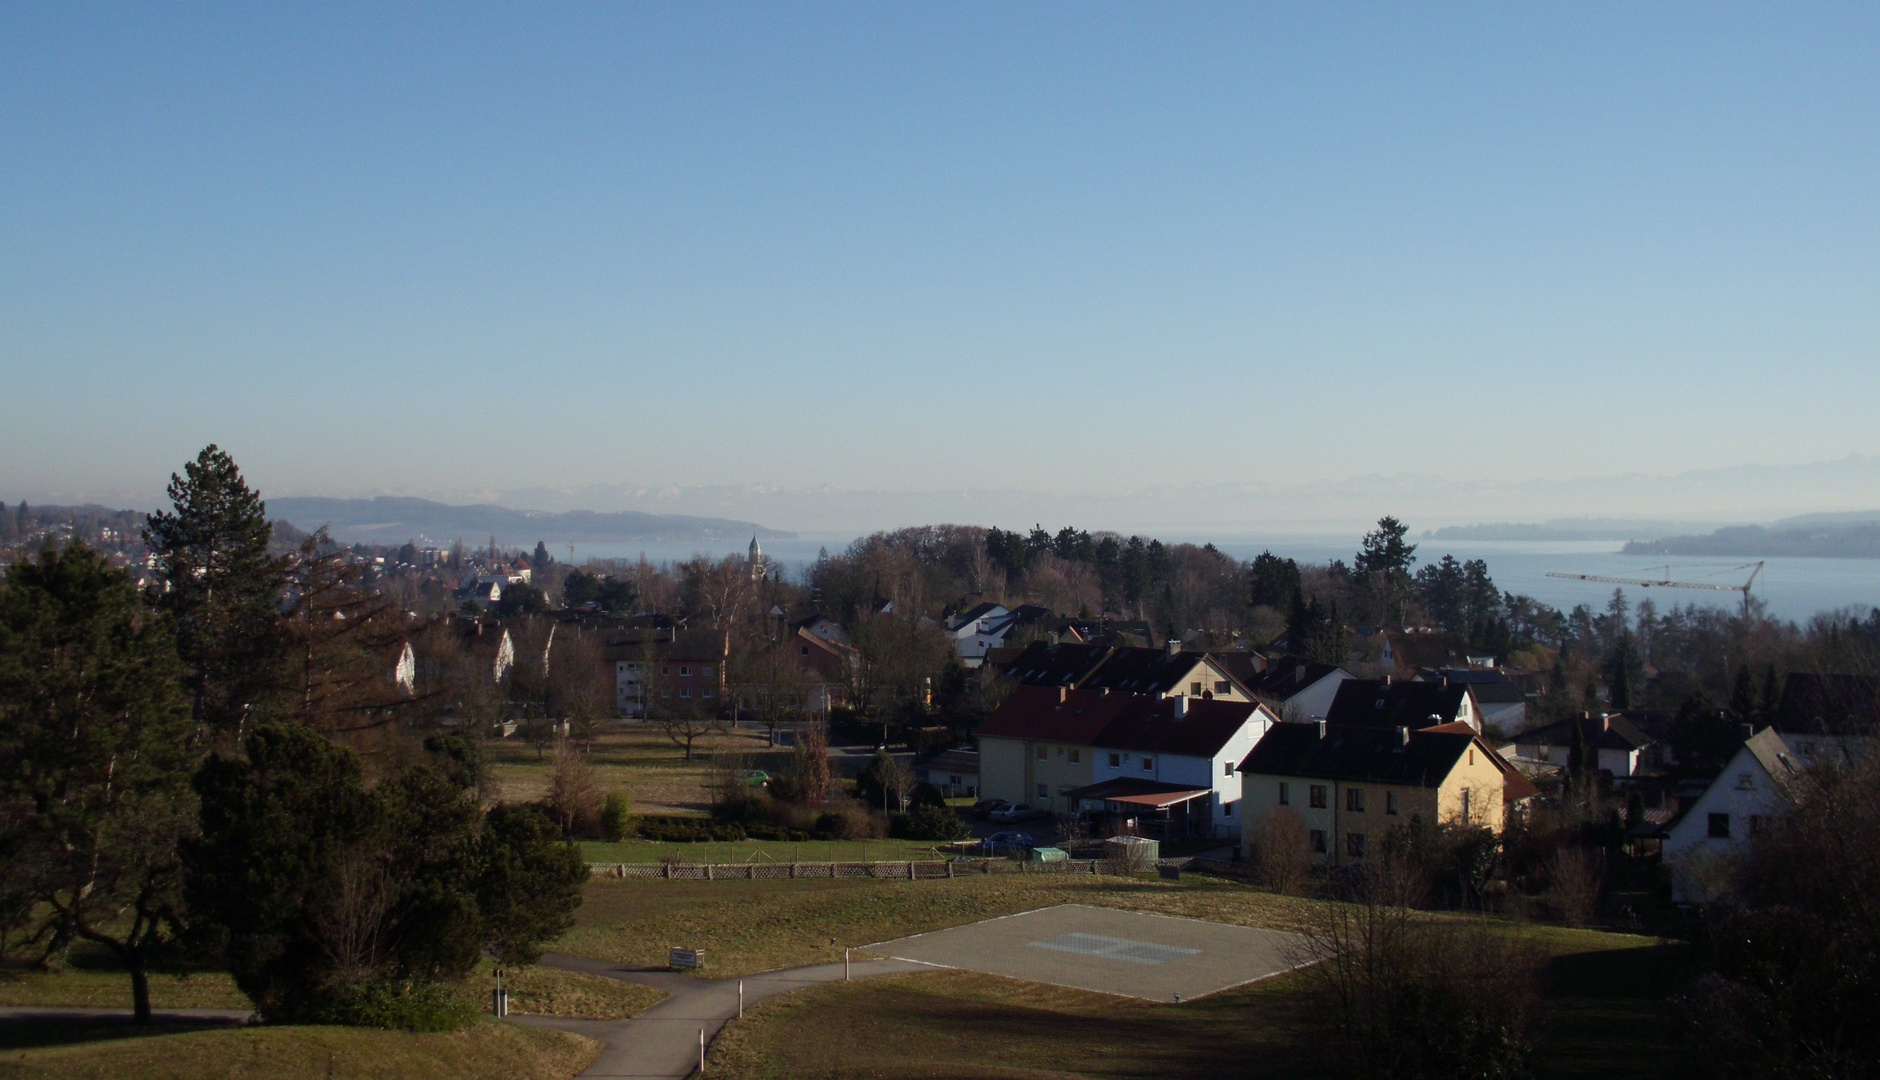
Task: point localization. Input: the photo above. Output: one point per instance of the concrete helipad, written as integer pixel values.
(1127, 953)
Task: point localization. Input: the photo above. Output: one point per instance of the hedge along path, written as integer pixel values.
(902, 871)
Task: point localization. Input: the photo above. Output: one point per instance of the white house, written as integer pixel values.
(1176, 759)
(1702, 846)
(1299, 690)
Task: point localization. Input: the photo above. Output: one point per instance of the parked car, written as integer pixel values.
(1021, 812)
(1007, 843)
(756, 777)
(984, 808)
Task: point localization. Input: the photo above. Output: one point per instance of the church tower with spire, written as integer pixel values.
(757, 559)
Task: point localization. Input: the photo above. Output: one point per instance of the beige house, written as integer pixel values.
(1035, 748)
(1352, 786)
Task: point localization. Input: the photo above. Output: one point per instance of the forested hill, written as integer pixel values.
(1828, 540)
(393, 520)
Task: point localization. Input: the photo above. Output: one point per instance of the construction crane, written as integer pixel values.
(1666, 583)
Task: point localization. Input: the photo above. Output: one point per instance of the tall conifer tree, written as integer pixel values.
(221, 587)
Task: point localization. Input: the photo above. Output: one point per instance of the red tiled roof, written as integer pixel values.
(1055, 714)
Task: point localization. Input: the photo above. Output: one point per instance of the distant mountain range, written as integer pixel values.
(1853, 535)
(1586, 528)
(393, 520)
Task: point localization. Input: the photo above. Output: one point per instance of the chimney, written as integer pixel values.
(1403, 736)
(1181, 708)
(1749, 732)
(1321, 729)
(1387, 680)
(1173, 646)
(1445, 680)
(1064, 694)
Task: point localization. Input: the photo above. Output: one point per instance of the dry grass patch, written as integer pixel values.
(632, 755)
(484, 1051)
(959, 1025)
(575, 995)
(1603, 995)
(751, 926)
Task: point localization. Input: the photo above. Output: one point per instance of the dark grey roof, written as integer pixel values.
(1374, 703)
(1491, 687)
(1363, 755)
(1288, 675)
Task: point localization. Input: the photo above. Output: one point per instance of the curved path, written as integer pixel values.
(662, 1042)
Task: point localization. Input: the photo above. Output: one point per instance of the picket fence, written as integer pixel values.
(903, 871)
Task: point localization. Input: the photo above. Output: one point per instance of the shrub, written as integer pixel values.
(572, 793)
(617, 816)
(925, 822)
(407, 1006)
(850, 820)
(682, 830)
(925, 794)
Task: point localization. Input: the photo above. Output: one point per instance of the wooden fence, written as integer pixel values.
(891, 871)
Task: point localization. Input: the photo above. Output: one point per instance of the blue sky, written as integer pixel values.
(460, 250)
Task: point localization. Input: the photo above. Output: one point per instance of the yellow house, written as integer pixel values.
(1035, 747)
(1352, 786)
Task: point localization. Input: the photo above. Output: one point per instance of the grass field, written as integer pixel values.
(536, 991)
(635, 756)
(743, 851)
(751, 926)
(484, 1051)
(1600, 1020)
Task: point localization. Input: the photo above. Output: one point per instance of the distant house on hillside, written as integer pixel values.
(1614, 744)
(657, 670)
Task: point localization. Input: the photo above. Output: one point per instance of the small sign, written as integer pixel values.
(684, 958)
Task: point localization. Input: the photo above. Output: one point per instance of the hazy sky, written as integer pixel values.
(1062, 247)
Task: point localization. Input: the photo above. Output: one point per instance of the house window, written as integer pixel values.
(1719, 826)
(1227, 809)
(1044, 753)
(704, 691)
(1390, 802)
(1116, 761)
(1318, 841)
(806, 650)
(1077, 756)
(1354, 800)
(665, 669)
(1227, 768)
(1221, 687)
(707, 671)
(1354, 845)
(1194, 689)
(685, 671)
(1757, 823)
(1745, 781)
(685, 691)
(1285, 793)
(1317, 796)
(1044, 791)
(1148, 764)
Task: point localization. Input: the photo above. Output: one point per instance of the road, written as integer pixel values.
(663, 1041)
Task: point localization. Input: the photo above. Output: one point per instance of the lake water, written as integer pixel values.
(1793, 588)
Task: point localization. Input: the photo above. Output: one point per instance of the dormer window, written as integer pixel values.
(1746, 781)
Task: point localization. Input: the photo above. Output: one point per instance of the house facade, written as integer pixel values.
(1299, 690)
(1177, 758)
(1352, 786)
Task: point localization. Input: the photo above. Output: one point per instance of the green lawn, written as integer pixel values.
(762, 851)
(485, 1051)
(1603, 993)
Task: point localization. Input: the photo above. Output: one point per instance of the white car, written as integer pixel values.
(1021, 812)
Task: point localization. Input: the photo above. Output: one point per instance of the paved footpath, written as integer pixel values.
(662, 1042)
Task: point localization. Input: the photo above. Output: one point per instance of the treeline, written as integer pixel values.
(241, 765)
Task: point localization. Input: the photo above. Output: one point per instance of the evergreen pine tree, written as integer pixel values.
(220, 585)
(1771, 696)
(95, 756)
(1742, 707)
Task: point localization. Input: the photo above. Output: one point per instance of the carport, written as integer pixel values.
(1130, 803)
